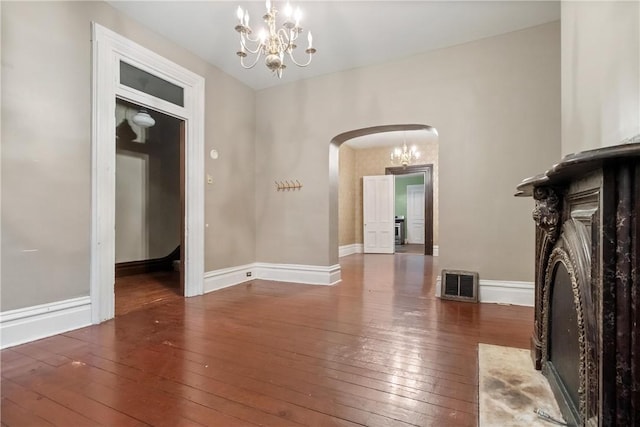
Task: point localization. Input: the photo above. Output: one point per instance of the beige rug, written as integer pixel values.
(510, 389)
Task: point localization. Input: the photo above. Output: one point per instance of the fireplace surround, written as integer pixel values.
(586, 337)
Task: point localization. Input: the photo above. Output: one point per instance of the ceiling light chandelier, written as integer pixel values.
(272, 43)
(405, 156)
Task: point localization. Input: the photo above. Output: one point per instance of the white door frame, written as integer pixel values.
(109, 48)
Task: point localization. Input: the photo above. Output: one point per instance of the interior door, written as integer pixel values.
(378, 214)
(415, 214)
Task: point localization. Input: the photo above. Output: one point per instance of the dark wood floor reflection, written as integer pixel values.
(377, 350)
(145, 290)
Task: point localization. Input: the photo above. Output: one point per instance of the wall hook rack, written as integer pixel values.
(287, 185)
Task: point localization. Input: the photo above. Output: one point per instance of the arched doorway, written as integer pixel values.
(334, 179)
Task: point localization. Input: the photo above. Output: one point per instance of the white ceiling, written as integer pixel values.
(347, 34)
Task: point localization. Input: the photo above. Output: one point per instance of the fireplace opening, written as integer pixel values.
(564, 346)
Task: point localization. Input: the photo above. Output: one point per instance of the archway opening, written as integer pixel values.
(371, 156)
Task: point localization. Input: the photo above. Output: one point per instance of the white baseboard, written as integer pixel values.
(436, 250)
(40, 321)
(225, 277)
(501, 292)
(306, 274)
(355, 248)
(507, 292)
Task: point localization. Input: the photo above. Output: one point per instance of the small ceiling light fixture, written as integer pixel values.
(143, 119)
(404, 156)
(272, 43)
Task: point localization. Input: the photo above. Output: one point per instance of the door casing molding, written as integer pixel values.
(108, 49)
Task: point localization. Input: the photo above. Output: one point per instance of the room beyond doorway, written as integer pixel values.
(410, 248)
(149, 213)
(427, 171)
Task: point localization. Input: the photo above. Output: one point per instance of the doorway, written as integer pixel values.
(409, 213)
(149, 215)
(419, 228)
(168, 88)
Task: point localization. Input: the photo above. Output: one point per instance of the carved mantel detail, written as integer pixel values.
(546, 213)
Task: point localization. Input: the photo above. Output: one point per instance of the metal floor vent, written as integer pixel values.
(460, 285)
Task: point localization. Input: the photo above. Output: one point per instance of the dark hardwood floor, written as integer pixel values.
(377, 350)
(145, 290)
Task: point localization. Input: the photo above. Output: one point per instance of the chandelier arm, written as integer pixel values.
(257, 50)
(290, 52)
(243, 43)
(254, 62)
(251, 39)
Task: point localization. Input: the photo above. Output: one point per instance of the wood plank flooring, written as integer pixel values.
(376, 350)
(145, 290)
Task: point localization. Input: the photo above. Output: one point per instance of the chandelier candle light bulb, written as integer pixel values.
(273, 42)
(240, 15)
(298, 16)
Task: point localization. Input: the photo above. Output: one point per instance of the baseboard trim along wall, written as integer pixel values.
(436, 250)
(225, 277)
(306, 274)
(40, 321)
(355, 248)
(501, 292)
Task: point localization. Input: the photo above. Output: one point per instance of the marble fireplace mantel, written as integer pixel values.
(586, 335)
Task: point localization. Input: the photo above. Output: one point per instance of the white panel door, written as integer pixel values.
(378, 214)
(415, 214)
